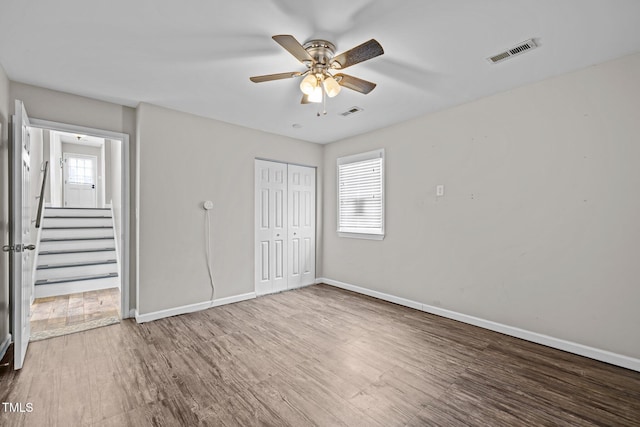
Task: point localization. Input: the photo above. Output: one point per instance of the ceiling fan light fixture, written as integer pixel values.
(316, 95)
(309, 84)
(318, 56)
(331, 86)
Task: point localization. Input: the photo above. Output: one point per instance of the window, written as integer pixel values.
(361, 195)
(80, 170)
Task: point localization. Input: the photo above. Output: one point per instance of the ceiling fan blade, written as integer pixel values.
(293, 47)
(363, 52)
(305, 99)
(355, 83)
(279, 76)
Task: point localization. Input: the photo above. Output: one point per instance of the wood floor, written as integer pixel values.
(314, 356)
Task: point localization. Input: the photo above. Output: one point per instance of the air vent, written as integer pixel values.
(514, 51)
(351, 111)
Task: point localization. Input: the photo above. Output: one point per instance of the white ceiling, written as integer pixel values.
(197, 55)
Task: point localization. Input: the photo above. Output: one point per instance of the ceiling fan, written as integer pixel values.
(320, 59)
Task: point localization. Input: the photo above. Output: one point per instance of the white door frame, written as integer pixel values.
(65, 176)
(125, 256)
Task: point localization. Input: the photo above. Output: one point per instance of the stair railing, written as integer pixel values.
(41, 198)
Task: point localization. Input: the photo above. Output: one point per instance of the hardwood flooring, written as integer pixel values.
(314, 356)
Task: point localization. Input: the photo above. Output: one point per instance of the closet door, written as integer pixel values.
(270, 227)
(302, 226)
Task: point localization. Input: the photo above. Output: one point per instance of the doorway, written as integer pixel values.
(95, 226)
(285, 226)
(78, 280)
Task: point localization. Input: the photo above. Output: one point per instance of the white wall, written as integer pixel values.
(36, 158)
(185, 160)
(114, 179)
(5, 113)
(539, 227)
(55, 175)
(62, 107)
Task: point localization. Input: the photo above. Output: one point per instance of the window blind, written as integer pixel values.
(361, 196)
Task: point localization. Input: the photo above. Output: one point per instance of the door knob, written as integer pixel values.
(28, 247)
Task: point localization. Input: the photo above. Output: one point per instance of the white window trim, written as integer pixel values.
(374, 235)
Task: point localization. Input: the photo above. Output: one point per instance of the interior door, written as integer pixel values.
(80, 176)
(302, 226)
(19, 233)
(270, 227)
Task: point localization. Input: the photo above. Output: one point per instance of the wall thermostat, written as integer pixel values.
(208, 205)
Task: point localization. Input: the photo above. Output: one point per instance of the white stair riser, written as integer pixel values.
(70, 272)
(44, 259)
(69, 233)
(77, 212)
(77, 222)
(43, 291)
(77, 244)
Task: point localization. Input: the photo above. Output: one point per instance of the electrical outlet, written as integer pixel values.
(439, 190)
(208, 205)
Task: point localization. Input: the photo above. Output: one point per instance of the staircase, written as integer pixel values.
(77, 252)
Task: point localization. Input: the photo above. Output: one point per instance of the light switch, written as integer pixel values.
(439, 190)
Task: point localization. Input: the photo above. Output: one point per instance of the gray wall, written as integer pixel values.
(5, 113)
(62, 107)
(539, 227)
(185, 160)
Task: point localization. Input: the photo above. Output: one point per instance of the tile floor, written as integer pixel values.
(58, 312)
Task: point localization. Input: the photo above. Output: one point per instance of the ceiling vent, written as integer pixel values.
(350, 111)
(514, 51)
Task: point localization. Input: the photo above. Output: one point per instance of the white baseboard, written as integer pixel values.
(155, 315)
(560, 344)
(5, 345)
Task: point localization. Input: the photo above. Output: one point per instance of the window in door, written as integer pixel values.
(80, 170)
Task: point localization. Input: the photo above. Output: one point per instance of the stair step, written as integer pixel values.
(75, 256)
(77, 222)
(75, 279)
(71, 239)
(76, 244)
(83, 212)
(76, 216)
(76, 232)
(75, 264)
(76, 227)
(75, 285)
(75, 251)
(63, 271)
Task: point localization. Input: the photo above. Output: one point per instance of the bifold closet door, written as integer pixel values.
(301, 191)
(285, 226)
(271, 227)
